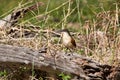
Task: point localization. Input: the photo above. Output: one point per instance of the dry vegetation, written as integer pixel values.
(98, 38)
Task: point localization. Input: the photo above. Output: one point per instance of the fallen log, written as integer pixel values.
(58, 62)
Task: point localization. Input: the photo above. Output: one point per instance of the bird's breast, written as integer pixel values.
(66, 41)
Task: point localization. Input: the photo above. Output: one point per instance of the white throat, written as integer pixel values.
(66, 37)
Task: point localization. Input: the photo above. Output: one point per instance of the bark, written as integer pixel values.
(57, 62)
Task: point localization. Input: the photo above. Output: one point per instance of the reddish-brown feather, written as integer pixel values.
(73, 42)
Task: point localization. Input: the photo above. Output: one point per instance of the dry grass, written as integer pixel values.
(103, 37)
(98, 39)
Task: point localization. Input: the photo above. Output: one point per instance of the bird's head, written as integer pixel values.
(65, 32)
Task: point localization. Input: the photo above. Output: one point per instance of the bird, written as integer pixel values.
(67, 40)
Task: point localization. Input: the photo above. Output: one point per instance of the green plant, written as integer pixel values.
(3, 73)
(64, 77)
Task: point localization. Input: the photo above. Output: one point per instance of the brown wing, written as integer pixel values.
(73, 42)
